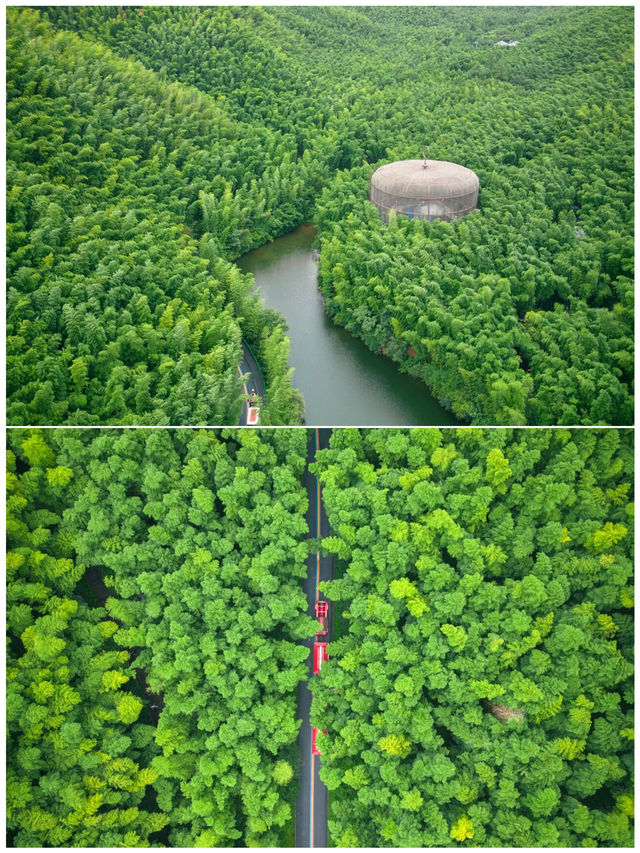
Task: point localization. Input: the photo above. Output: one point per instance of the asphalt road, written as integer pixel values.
(313, 802)
(248, 364)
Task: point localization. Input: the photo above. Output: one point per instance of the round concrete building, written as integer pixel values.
(424, 189)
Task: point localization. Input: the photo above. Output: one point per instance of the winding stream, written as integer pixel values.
(342, 381)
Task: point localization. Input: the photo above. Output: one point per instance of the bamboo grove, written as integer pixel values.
(481, 691)
(147, 148)
(154, 610)
(479, 688)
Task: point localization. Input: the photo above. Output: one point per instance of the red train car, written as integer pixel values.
(320, 655)
(322, 615)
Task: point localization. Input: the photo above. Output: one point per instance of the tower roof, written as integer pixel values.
(411, 179)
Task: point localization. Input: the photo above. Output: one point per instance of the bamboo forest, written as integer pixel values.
(478, 689)
(149, 148)
(319, 426)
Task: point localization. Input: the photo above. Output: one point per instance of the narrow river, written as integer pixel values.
(342, 381)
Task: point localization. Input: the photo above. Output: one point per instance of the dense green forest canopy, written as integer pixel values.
(523, 311)
(150, 146)
(116, 312)
(481, 693)
(479, 689)
(154, 612)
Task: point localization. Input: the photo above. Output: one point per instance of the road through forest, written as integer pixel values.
(250, 365)
(313, 801)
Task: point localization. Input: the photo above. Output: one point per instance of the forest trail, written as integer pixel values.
(312, 805)
(248, 364)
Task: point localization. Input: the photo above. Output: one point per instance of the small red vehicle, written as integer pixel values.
(314, 734)
(319, 656)
(322, 615)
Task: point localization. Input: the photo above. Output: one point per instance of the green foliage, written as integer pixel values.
(128, 708)
(456, 636)
(522, 312)
(462, 829)
(500, 715)
(147, 147)
(394, 744)
(199, 541)
(127, 197)
(74, 776)
(282, 773)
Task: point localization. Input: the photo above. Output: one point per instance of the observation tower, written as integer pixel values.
(424, 189)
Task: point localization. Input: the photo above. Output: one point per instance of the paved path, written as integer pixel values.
(248, 364)
(313, 802)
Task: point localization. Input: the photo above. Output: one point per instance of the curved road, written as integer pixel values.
(248, 364)
(313, 801)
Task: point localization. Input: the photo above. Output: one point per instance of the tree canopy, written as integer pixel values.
(124, 206)
(481, 691)
(521, 312)
(148, 147)
(155, 613)
(479, 686)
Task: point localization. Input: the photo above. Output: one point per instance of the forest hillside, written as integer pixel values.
(124, 199)
(150, 147)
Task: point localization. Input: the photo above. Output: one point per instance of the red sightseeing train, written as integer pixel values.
(320, 655)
